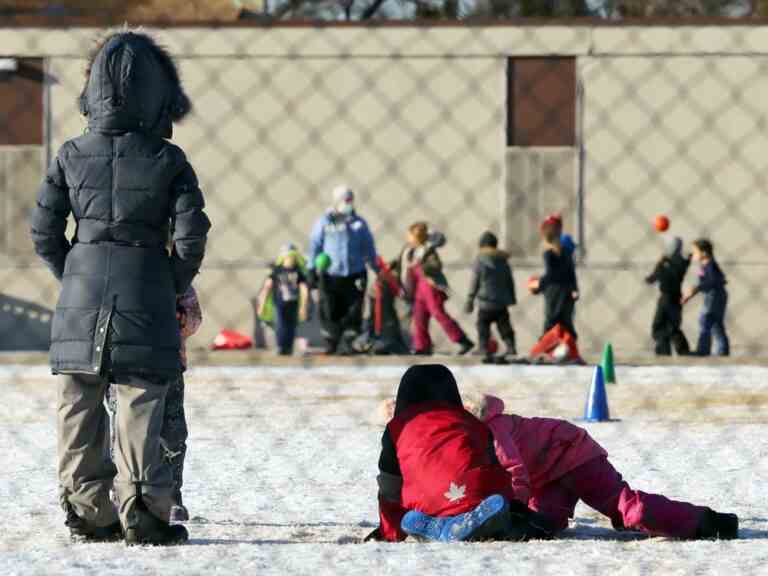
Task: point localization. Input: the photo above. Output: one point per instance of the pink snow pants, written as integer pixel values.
(430, 303)
(600, 486)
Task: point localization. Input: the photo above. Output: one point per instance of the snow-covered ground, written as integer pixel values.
(282, 463)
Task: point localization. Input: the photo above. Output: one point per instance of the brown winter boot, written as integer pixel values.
(149, 529)
(81, 530)
(146, 528)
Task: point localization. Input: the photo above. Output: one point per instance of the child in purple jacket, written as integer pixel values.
(712, 284)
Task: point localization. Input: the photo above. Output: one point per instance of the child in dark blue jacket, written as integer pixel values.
(712, 284)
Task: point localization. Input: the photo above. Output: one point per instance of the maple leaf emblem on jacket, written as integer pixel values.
(455, 493)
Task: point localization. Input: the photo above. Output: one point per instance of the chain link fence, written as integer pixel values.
(469, 129)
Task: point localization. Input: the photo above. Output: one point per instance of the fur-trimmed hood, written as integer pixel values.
(132, 85)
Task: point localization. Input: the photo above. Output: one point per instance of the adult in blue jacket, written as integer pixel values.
(346, 239)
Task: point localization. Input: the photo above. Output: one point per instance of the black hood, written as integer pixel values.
(427, 383)
(132, 85)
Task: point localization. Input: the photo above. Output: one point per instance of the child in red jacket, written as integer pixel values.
(553, 464)
(439, 478)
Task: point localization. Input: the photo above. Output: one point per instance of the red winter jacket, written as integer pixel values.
(444, 456)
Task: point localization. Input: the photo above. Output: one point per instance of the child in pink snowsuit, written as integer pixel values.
(554, 464)
(427, 286)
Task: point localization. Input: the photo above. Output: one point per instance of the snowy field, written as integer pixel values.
(282, 462)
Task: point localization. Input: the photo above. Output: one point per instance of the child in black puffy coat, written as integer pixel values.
(669, 273)
(558, 284)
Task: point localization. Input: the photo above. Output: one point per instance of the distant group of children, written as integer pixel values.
(450, 471)
(417, 277)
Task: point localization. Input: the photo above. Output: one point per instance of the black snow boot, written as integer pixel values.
(83, 531)
(179, 512)
(146, 528)
(718, 526)
(427, 352)
(465, 345)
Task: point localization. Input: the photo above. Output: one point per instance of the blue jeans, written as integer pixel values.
(286, 319)
(712, 324)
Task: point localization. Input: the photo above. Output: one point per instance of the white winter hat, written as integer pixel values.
(673, 245)
(343, 193)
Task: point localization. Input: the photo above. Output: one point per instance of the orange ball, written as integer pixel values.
(661, 223)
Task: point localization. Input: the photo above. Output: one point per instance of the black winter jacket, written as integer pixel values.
(126, 187)
(670, 273)
(557, 285)
(492, 282)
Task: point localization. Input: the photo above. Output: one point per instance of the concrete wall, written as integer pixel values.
(673, 121)
(20, 171)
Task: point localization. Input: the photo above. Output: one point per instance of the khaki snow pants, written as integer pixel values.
(86, 473)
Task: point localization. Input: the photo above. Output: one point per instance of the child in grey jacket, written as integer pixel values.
(493, 287)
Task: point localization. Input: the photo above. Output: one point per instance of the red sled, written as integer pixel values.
(231, 340)
(558, 346)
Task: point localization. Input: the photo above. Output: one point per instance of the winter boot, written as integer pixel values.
(526, 524)
(179, 512)
(487, 521)
(465, 345)
(425, 352)
(81, 530)
(146, 528)
(717, 526)
(511, 353)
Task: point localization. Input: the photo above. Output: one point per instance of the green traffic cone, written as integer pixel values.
(607, 363)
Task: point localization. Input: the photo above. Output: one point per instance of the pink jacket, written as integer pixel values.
(535, 451)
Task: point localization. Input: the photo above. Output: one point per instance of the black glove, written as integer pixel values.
(374, 536)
